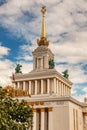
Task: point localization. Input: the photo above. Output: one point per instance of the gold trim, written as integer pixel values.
(85, 113)
(50, 109)
(43, 10)
(42, 109)
(31, 103)
(34, 110)
(43, 40)
(41, 103)
(36, 103)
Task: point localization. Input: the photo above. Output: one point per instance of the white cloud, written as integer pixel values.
(85, 90)
(3, 51)
(27, 67)
(6, 69)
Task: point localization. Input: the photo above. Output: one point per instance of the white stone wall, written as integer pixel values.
(77, 119)
(61, 117)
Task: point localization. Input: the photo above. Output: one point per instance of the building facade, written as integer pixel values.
(50, 92)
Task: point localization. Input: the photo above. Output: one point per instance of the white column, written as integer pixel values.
(34, 119)
(33, 62)
(50, 119)
(70, 91)
(29, 87)
(46, 62)
(48, 86)
(24, 85)
(54, 85)
(35, 86)
(41, 62)
(15, 85)
(37, 63)
(67, 90)
(18, 85)
(41, 86)
(57, 87)
(42, 119)
(64, 89)
(61, 89)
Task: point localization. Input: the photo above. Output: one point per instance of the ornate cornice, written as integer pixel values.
(48, 73)
(42, 50)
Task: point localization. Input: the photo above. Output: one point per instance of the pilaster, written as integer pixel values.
(34, 119)
(24, 84)
(57, 87)
(48, 86)
(54, 85)
(29, 87)
(18, 84)
(41, 86)
(50, 119)
(42, 119)
(46, 62)
(35, 86)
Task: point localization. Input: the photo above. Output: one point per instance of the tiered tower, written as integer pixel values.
(49, 92)
(42, 55)
(43, 80)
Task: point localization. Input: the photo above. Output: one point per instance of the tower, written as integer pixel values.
(42, 55)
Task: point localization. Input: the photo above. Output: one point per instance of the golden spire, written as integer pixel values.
(43, 40)
(43, 10)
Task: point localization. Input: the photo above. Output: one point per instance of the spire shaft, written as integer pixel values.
(43, 10)
(43, 40)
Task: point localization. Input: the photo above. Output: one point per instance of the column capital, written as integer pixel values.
(42, 103)
(42, 109)
(50, 109)
(34, 110)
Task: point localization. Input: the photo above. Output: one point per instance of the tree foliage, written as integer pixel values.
(14, 114)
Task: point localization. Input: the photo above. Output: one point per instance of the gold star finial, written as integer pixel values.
(43, 39)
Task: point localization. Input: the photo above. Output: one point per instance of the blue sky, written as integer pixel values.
(66, 27)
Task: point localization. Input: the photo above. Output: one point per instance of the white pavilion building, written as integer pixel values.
(53, 106)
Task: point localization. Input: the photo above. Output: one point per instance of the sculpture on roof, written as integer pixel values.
(51, 64)
(18, 68)
(65, 74)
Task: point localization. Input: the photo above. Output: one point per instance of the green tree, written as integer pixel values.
(14, 114)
